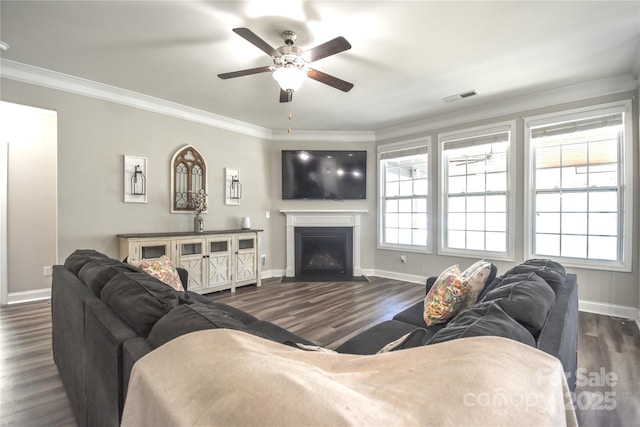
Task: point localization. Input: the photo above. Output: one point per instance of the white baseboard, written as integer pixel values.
(267, 274)
(610, 310)
(412, 278)
(368, 272)
(26, 296)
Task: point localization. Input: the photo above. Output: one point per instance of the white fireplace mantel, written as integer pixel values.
(323, 218)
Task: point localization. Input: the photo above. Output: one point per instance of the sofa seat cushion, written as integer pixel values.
(277, 333)
(139, 299)
(485, 319)
(413, 315)
(96, 273)
(193, 317)
(525, 297)
(377, 337)
(80, 257)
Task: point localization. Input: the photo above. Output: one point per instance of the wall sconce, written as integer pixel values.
(138, 182)
(135, 179)
(235, 188)
(232, 187)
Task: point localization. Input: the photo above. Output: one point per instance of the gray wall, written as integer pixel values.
(31, 197)
(93, 136)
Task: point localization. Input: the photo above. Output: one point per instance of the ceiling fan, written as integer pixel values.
(474, 158)
(291, 64)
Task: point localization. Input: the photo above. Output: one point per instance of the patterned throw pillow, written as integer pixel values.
(476, 277)
(445, 296)
(164, 270)
(454, 292)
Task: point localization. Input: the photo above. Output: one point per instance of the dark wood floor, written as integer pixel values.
(327, 313)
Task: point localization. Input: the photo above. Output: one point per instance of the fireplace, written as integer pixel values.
(324, 219)
(323, 253)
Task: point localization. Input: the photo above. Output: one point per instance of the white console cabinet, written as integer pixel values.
(215, 260)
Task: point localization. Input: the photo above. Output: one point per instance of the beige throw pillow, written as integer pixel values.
(476, 278)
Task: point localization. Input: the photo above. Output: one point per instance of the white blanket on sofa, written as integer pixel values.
(225, 377)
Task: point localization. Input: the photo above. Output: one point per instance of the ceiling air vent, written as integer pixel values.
(459, 96)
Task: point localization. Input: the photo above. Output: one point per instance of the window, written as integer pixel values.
(404, 189)
(477, 205)
(580, 202)
(189, 175)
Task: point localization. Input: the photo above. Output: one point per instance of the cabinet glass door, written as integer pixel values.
(191, 258)
(219, 263)
(148, 252)
(246, 267)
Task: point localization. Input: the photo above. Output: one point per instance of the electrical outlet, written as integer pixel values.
(263, 260)
(403, 259)
(267, 214)
(47, 270)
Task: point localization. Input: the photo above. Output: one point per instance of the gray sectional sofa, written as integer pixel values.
(107, 314)
(535, 303)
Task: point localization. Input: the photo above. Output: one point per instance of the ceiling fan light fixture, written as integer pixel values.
(290, 78)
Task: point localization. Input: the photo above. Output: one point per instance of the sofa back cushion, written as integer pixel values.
(190, 318)
(96, 273)
(550, 271)
(485, 319)
(525, 297)
(139, 299)
(80, 257)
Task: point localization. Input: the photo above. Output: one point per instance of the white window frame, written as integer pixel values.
(400, 146)
(625, 186)
(444, 138)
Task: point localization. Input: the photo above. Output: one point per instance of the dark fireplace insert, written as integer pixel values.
(323, 253)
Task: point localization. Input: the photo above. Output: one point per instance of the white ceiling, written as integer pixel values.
(406, 55)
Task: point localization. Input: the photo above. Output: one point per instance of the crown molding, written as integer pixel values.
(593, 89)
(324, 136)
(54, 80)
(59, 81)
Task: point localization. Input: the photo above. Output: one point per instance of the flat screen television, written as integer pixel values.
(324, 175)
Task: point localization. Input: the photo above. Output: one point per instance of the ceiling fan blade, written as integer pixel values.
(469, 160)
(245, 72)
(337, 45)
(329, 80)
(286, 95)
(252, 38)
